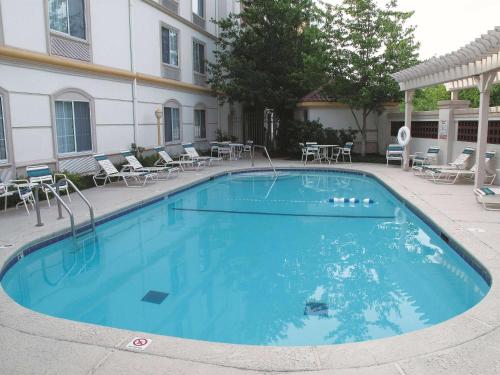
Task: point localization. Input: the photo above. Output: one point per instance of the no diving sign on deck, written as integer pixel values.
(139, 343)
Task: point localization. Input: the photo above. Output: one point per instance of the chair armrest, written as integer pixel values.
(62, 175)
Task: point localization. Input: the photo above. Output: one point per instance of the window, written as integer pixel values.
(68, 17)
(172, 124)
(3, 145)
(200, 128)
(73, 126)
(169, 52)
(467, 131)
(198, 57)
(199, 8)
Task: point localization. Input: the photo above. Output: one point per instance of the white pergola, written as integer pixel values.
(475, 65)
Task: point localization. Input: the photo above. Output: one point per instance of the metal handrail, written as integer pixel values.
(84, 199)
(59, 203)
(267, 154)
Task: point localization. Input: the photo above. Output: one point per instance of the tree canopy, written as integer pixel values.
(366, 44)
(270, 54)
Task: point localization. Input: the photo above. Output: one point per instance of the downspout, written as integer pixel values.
(219, 107)
(132, 69)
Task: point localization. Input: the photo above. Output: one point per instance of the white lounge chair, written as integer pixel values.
(461, 162)
(451, 176)
(134, 165)
(489, 197)
(421, 159)
(192, 154)
(394, 152)
(108, 171)
(166, 160)
(38, 174)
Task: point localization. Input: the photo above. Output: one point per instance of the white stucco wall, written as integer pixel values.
(342, 118)
(24, 24)
(29, 86)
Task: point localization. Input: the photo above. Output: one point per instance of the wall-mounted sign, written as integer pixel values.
(443, 129)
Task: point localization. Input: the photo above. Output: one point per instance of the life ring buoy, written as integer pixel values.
(404, 135)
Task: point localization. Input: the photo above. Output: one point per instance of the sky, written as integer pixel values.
(444, 26)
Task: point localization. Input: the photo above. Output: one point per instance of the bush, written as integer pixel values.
(81, 181)
(224, 137)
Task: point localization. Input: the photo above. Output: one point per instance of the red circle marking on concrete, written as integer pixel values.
(140, 342)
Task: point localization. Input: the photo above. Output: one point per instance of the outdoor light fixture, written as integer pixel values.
(158, 114)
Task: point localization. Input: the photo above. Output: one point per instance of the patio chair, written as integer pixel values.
(135, 165)
(310, 149)
(460, 162)
(394, 152)
(5, 193)
(247, 148)
(223, 150)
(421, 159)
(192, 154)
(108, 171)
(346, 151)
(166, 160)
(451, 176)
(38, 174)
(489, 197)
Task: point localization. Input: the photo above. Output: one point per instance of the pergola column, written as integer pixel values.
(408, 109)
(484, 84)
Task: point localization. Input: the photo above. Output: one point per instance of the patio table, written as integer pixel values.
(325, 154)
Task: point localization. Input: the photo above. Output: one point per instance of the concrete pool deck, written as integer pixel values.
(467, 344)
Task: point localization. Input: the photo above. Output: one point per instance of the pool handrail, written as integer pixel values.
(267, 154)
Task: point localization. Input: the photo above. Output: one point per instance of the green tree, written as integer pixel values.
(472, 94)
(426, 99)
(367, 44)
(269, 55)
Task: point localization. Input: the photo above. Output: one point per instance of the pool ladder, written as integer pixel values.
(252, 153)
(61, 203)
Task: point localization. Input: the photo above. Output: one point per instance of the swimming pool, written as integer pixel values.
(251, 259)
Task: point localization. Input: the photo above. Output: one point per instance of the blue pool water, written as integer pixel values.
(250, 259)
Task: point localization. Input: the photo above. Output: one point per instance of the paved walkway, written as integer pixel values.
(467, 344)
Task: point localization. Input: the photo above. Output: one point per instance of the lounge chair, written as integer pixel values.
(421, 159)
(489, 197)
(451, 176)
(108, 171)
(460, 162)
(394, 152)
(166, 160)
(135, 165)
(192, 154)
(38, 174)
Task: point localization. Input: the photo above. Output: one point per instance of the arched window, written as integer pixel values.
(72, 112)
(200, 121)
(172, 121)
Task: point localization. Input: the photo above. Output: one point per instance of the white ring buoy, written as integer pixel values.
(404, 135)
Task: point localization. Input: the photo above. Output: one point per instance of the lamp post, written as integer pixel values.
(158, 114)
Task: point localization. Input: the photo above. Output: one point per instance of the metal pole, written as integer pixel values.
(59, 208)
(37, 207)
